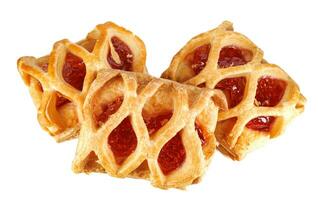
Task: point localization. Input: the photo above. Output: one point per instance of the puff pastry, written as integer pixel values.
(58, 83)
(144, 127)
(261, 97)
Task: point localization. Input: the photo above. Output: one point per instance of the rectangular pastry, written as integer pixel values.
(140, 126)
(261, 97)
(58, 83)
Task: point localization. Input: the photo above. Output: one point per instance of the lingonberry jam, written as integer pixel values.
(231, 56)
(124, 53)
(233, 89)
(155, 123)
(262, 123)
(122, 141)
(198, 58)
(60, 101)
(200, 133)
(107, 110)
(74, 71)
(269, 91)
(172, 155)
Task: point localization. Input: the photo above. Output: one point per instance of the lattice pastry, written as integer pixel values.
(58, 83)
(261, 97)
(144, 127)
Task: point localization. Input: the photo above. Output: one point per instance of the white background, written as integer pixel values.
(33, 166)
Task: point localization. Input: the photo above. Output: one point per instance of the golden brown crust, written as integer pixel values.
(239, 140)
(143, 93)
(43, 76)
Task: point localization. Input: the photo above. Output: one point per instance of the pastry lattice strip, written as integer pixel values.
(262, 98)
(126, 131)
(58, 83)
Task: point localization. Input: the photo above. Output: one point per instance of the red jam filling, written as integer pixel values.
(124, 53)
(122, 141)
(233, 89)
(269, 91)
(200, 133)
(155, 123)
(172, 155)
(232, 56)
(107, 110)
(268, 94)
(74, 71)
(262, 123)
(199, 57)
(201, 85)
(60, 101)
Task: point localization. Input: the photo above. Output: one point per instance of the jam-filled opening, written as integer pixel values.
(172, 155)
(269, 91)
(124, 53)
(201, 133)
(74, 71)
(261, 123)
(202, 85)
(231, 56)
(157, 112)
(106, 101)
(198, 58)
(92, 163)
(61, 100)
(233, 89)
(154, 123)
(158, 109)
(122, 141)
(103, 111)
